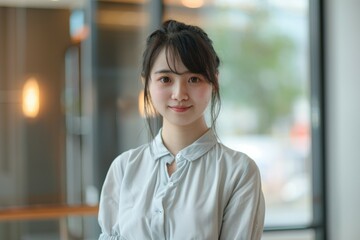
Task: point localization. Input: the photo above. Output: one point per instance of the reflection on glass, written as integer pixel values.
(31, 98)
(193, 3)
(265, 94)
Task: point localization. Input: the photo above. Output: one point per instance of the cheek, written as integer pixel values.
(205, 93)
(157, 94)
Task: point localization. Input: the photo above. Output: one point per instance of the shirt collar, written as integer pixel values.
(192, 152)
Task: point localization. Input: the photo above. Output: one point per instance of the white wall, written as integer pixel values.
(343, 118)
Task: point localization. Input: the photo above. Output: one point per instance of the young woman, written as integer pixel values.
(184, 184)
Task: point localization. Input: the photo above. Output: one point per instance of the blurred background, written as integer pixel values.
(70, 93)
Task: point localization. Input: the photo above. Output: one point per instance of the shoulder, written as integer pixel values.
(120, 166)
(130, 156)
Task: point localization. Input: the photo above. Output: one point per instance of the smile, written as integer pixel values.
(179, 108)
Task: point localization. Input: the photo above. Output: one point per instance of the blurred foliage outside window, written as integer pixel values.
(265, 91)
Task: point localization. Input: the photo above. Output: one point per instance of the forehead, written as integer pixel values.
(168, 60)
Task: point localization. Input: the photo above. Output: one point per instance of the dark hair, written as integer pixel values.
(193, 46)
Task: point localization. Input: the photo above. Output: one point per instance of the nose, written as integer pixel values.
(179, 92)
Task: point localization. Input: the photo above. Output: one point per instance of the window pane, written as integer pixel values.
(32, 129)
(265, 93)
(87, 71)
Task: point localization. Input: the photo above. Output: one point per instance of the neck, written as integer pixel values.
(176, 138)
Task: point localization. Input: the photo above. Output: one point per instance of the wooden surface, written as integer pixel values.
(46, 212)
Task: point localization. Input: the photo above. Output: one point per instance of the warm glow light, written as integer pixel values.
(81, 34)
(141, 104)
(151, 112)
(30, 98)
(193, 3)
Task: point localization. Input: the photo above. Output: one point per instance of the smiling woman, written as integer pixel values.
(180, 91)
(184, 179)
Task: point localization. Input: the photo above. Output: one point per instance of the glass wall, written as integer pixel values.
(69, 104)
(265, 83)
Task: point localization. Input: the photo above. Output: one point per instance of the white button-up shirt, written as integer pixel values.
(214, 193)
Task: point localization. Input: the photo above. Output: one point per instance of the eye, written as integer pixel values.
(194, 80)
(165, 79)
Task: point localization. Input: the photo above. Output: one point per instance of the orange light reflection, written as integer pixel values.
(31, 98)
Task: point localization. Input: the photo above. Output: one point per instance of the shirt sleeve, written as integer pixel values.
(109, 203)
(244, 214)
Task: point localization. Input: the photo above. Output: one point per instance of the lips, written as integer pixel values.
(179, 108)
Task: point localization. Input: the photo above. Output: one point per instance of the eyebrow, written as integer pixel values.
(169, 71)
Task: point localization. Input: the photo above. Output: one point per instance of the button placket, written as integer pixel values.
(157, 224)
(171, 178)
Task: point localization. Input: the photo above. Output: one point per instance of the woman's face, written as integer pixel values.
(182, 97)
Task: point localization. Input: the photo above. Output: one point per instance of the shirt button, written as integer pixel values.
(178, 156)
(171, 184)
